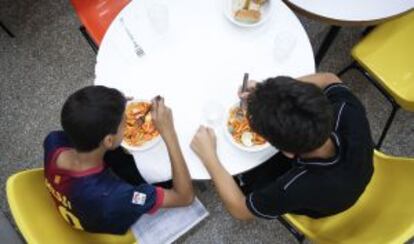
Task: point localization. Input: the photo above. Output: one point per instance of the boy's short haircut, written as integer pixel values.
(293, 116)
(90, 114)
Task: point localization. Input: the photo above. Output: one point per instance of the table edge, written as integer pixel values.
(339, 22)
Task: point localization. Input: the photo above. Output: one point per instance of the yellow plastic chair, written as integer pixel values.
(386, 58)
(37, 218)
(383, 214)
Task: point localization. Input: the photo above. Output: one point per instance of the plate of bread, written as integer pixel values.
(248, 13)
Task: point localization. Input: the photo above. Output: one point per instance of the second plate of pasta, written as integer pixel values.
(239, 133)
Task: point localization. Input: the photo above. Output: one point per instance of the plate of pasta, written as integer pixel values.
(239, 133)
(140, 133)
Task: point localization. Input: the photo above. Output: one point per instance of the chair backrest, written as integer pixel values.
(37, 217)
(383, 214)
(387, 53)
(97, 15)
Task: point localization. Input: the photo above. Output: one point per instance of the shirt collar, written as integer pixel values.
(323, 162)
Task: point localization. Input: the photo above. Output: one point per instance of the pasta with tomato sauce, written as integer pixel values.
(238, 125)
(136, 133)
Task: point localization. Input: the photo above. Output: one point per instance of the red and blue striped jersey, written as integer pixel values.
(95, 200)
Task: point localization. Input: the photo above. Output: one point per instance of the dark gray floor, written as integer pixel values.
(7, 233)
(49, 59)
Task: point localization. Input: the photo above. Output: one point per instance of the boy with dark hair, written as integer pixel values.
(88, 193)
(325, 150)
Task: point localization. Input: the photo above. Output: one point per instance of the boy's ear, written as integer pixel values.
(108, 141)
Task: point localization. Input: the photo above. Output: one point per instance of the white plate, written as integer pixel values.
(228, 135)
(266, 10)
(147, 145)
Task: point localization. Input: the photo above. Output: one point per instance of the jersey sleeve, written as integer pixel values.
(339, 93)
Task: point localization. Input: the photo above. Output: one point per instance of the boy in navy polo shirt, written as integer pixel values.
(88, 193)
(325, 150)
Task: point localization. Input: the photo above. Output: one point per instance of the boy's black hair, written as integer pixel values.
(90, 114)
(291, 115)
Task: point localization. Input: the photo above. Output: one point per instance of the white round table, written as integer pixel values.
(197, 59)
(353, 12)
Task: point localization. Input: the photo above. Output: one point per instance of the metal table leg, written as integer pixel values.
(326, 43)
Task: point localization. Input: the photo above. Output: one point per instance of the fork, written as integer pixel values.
(240, 112)
(141, 120)
(137, 48)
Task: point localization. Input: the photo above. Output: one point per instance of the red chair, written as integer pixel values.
(96, 16)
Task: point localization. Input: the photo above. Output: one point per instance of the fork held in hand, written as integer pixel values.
(243, 89)
(240, 112)
(141, 120)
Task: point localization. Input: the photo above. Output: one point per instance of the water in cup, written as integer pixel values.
(212, 114)
(158, 15)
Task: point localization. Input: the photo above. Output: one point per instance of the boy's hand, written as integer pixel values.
(251, 86)
(204, 144)
(162, 116)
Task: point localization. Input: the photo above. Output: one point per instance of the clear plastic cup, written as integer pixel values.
(158, 16)
(212, 114)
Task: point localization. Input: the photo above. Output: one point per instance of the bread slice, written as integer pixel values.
(260, 1)
(238, 4)
(247, 16)
(255, 6)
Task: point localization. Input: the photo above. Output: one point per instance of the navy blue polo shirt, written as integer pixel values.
(322, 187)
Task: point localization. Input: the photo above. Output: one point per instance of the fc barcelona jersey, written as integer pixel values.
(95, 200)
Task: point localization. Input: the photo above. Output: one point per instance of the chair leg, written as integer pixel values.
(395, 108)
(6, 30)
(299, 237)
(326, 43)
(346, 69)
(375, 83)
(88, 39)
(367, 30)
(394, 104)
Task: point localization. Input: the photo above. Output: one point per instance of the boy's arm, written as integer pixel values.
(204, 145)
(181, 193)
(229, 192)
(322, 80)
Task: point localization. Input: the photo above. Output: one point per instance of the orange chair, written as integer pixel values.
(96, 16)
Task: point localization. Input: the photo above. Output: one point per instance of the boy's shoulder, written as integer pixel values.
(54, 144)
(56, 137)
(55, 140)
